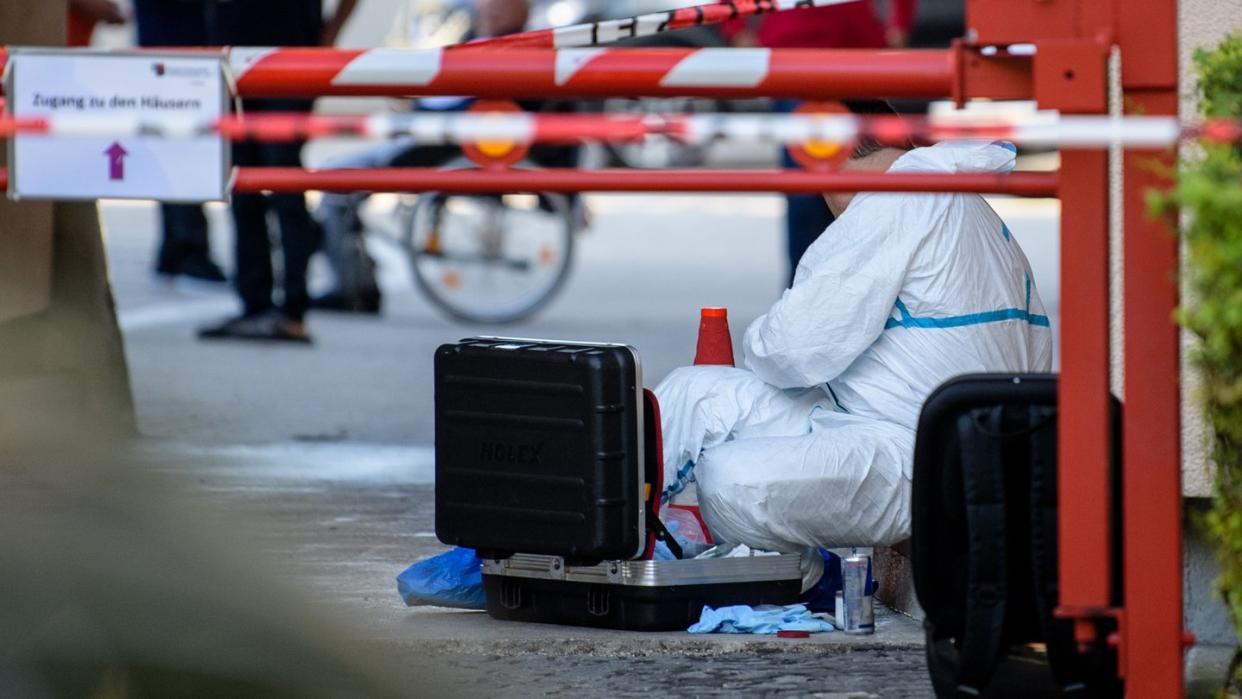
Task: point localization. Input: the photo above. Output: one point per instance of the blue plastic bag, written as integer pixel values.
(452, 579)
(823, 596)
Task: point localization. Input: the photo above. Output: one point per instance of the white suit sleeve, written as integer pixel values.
(840, 300)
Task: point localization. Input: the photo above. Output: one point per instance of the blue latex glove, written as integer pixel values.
(764, 619)
(452, 579)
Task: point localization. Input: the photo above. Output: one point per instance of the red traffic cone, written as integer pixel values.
(715, 343)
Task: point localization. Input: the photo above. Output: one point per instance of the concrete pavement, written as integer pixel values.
(338, 522)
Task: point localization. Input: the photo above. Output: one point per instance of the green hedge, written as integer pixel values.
(1209, 188)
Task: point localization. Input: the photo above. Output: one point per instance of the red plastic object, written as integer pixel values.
(793, 634)
(715, 342)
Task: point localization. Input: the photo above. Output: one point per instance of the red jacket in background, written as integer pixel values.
(851, 25)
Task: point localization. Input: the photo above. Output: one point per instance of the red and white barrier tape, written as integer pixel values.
(612, 30)
(1040, 130)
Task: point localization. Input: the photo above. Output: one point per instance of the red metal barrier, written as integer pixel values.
(260, 179)
(1152, 633)
(1071, 39)
(568, 180)
(1084, 453)
(1068, 40)
(719, 73)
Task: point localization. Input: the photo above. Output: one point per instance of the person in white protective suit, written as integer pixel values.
(811, 444)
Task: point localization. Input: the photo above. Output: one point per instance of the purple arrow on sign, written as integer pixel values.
(116, 161)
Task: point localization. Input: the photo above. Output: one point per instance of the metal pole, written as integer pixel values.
(1085, 474)
(1152, 630)
(268, 179)
(1151, 481)
(571, 180)
(635, 72)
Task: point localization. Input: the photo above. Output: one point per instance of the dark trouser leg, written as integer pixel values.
(297, 242)
(805, 218)
(254, 247)
(184, 236)
(297, 236)
(342, 242)
(343, 236)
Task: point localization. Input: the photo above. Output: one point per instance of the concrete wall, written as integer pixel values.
(1203, 23)
(62, 366)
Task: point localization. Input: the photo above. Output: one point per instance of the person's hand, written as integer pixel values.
(106, 11)
(896, 37)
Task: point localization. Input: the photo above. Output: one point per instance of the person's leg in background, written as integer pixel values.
(259, 320)
(297, 235)
(184, 247)
(806, 216)
(344, 241)
(253, 251)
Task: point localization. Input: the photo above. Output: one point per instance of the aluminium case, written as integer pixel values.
(666, 595)
(539, 448)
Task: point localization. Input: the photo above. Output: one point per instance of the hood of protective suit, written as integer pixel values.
(959, 156)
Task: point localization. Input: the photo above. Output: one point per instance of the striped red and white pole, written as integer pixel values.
(594, 72)
(462, 128)
(612, 30)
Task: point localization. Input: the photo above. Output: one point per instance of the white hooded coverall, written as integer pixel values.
(812, 443)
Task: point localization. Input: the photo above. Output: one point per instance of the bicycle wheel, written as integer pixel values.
(490, 258)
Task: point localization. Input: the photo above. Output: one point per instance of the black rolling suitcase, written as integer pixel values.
(548, 464)
(984, 544)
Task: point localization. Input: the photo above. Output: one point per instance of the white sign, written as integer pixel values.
(101, 89)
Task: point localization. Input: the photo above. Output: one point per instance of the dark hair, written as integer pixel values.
(868, 144)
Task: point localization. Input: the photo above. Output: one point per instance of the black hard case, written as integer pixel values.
(539, 448)
(634, 595)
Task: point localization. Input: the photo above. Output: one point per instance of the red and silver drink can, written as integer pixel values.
(856, 605)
